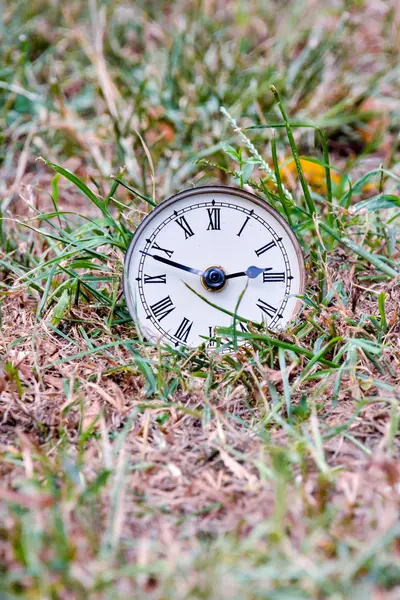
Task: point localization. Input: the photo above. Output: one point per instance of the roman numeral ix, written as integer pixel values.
(265, 248)
(155, 278)
(269, 277)
(185, 226)
(162, 308)
(214, 215)
(183, 330)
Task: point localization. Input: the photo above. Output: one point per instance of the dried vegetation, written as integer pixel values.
(130, 471)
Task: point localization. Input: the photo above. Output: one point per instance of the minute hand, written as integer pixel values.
(252, 272)
(172, 263)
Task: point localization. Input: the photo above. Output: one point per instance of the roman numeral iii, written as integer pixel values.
(265, 248)
(267, 308)
(269, 277)
(214, 215)
(169, 253)
(162, 308)
(155, 278)
(185, 226)
(183, 330)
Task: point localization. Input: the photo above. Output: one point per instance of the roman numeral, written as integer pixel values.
(267, 308)
(211, 333)
(169, 253)
(265, 248)
(185, 226)
(214, 215)
(155, 279)
(269, 277)
(183, 330)
(162, 308)
(243, 226)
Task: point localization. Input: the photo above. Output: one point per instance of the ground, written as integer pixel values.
(133, 471)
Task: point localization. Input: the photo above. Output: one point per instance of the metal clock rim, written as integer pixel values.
(206, 189)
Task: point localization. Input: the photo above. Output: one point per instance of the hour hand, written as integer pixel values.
(252, 272)
(172, 263)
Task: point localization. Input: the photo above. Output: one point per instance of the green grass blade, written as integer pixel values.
(306, 191)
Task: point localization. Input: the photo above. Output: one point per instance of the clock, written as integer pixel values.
(206, 254)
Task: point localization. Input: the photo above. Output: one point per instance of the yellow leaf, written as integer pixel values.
(314, 174)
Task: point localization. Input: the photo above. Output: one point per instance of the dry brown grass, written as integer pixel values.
(131, 471)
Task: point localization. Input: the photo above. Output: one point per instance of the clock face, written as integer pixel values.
(210, 247)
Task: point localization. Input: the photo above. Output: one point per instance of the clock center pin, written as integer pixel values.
(214, 278)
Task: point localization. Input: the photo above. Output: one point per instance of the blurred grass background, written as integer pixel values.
(85, 82)
(129, 471)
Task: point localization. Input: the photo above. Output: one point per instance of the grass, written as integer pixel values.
(134, 471)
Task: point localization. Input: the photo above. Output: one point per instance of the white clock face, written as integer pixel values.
(205, 247)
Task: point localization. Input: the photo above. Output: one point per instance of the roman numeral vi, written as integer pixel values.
(211, 333)
(244, 328)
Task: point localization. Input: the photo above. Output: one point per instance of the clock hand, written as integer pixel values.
(167, 261)
(251, 272)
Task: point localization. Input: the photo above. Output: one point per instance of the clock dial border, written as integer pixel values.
(198, 191)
